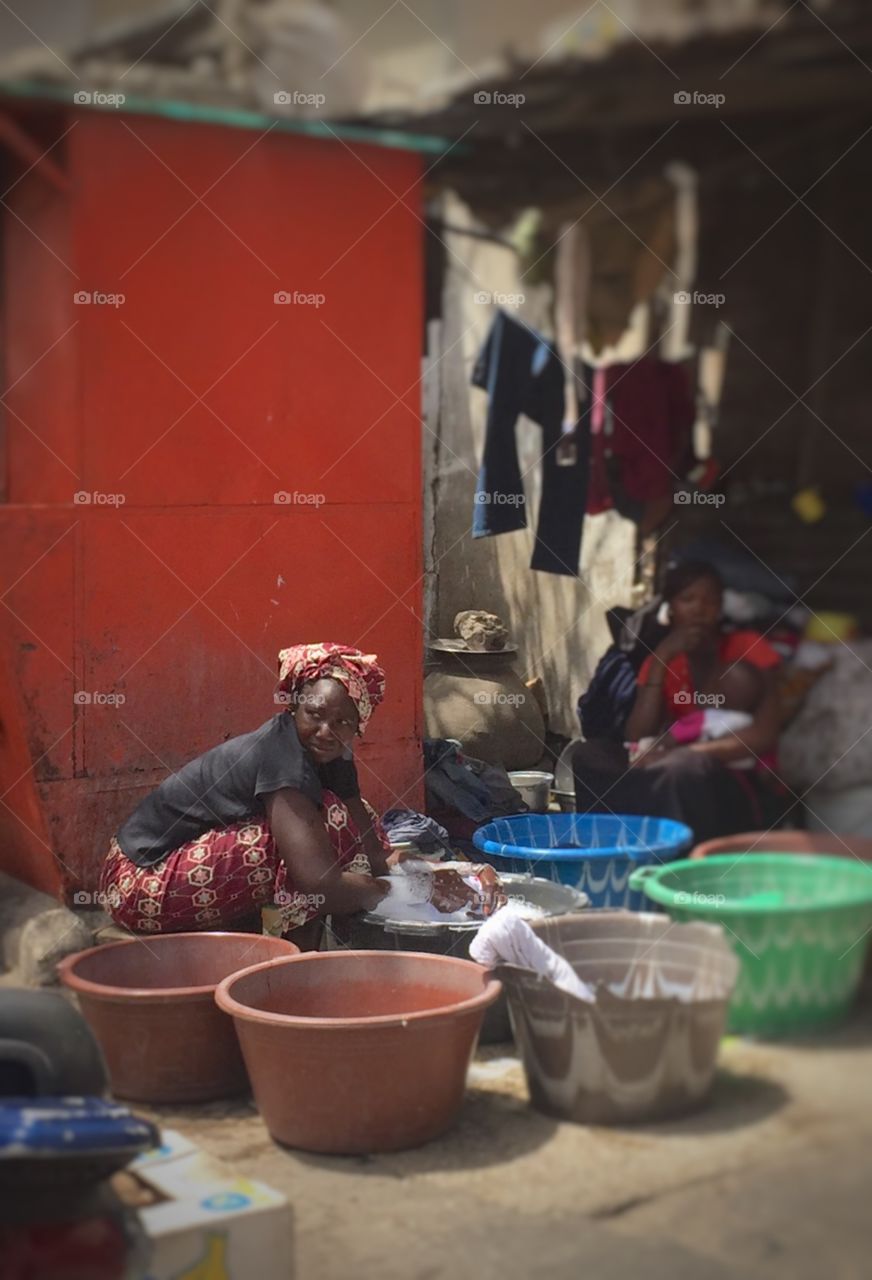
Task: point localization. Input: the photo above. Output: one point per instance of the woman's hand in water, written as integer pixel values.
(492, 895)
(450, 891)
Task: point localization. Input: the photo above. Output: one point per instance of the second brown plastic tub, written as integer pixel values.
(151, 1004)
(358, 1052)
(817, 842)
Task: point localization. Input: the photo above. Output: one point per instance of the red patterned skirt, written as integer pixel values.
(224, 876)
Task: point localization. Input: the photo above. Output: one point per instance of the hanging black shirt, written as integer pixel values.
(226, 785)
(523, 374)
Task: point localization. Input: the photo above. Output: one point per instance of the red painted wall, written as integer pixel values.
(181, 412)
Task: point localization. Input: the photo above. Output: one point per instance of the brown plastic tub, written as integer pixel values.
(639, 1052)
(357, 1052)
(845, 846)
(151, 1004)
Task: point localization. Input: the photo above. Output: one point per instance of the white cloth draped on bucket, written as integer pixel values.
(507, 939)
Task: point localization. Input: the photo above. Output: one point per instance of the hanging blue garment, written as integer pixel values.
(522, 373)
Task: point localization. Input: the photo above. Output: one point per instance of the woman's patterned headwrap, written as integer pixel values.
(359, 672)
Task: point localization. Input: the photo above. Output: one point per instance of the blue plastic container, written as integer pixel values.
(593, 852)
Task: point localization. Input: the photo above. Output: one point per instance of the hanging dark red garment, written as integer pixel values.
(641, 417)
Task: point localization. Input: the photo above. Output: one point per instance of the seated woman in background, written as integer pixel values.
(706, 721)
(275, 814)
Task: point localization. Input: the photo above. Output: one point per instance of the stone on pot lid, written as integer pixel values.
(481, 632)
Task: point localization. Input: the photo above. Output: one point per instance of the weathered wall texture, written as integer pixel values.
(557, 622)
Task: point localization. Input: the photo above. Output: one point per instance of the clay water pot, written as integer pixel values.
(357, 1052)
(151, 1004)
(479, 699)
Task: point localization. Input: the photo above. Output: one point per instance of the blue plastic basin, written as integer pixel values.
(593, 852)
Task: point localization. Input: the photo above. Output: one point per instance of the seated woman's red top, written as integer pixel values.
(733, 646)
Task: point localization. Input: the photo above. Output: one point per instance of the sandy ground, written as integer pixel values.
(773, 1180)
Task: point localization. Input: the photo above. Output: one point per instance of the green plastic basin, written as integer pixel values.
(799, 925)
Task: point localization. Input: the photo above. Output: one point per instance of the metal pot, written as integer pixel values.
(373, 933)
(647, 1047)
(534, 788)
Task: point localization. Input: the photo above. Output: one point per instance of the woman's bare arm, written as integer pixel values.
(370, 842)
(645, 719)
(305, 849)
